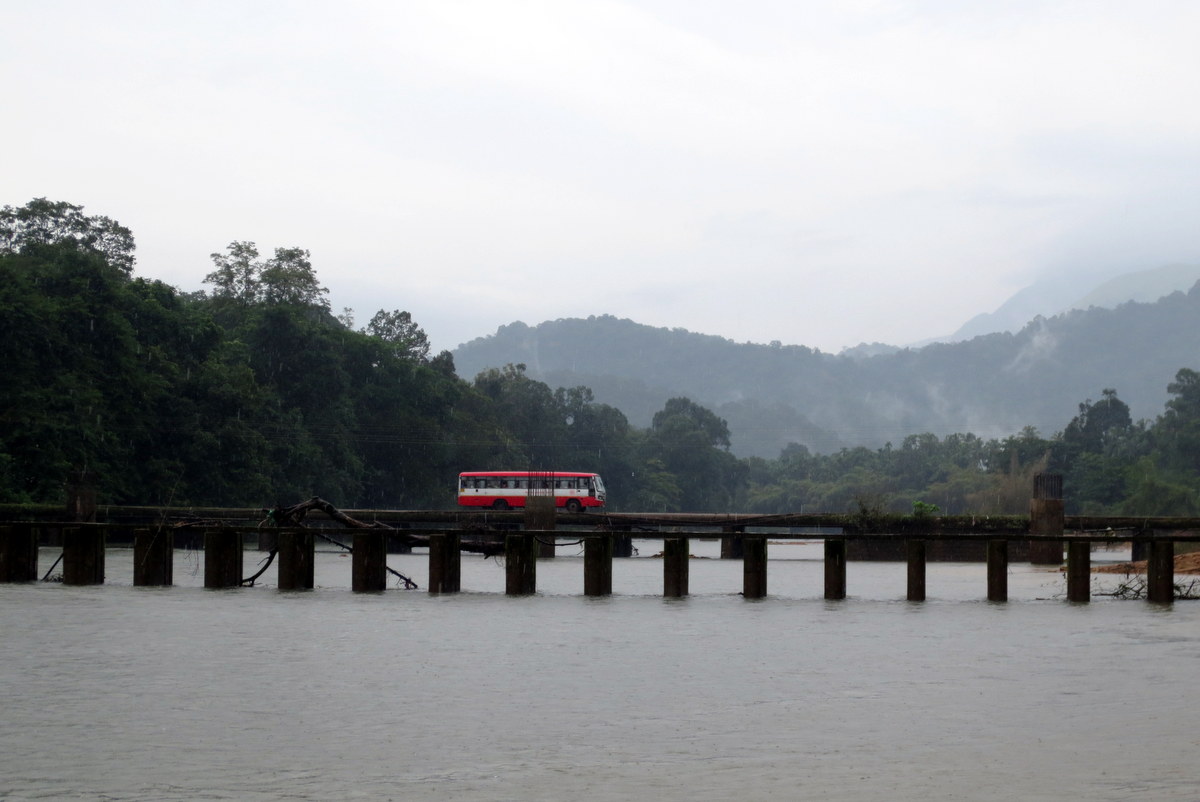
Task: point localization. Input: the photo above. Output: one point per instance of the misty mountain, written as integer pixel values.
(1043, 299)
(1063, 293)
(1144, 286)
(771, 395)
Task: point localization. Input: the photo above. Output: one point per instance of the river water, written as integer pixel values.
(120, 693)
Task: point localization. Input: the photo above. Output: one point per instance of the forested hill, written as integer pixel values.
(771, 395)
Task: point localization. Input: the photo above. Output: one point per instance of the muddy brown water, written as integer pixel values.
(123, 693)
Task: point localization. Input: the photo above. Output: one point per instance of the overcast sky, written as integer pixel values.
(816, 173)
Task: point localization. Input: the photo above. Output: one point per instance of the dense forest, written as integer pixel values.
(254, 393)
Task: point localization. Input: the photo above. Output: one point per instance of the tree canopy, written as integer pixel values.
(42, 223)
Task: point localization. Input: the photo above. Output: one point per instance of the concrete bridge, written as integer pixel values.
(1046, 536)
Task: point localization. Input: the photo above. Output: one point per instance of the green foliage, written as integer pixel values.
(250, 396)
(1153, 492)
(1177, 434)
(923, 509)
(41, 223)
(398, 329)
(691, 442)
(241, 278)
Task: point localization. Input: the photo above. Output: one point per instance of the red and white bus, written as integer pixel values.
(501, 490)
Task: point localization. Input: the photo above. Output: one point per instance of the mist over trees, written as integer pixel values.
(254, 393)
(775, 394)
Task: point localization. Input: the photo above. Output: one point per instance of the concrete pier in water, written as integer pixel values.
(676, 553)
(18, 554)
(369, 562)
(153, 557)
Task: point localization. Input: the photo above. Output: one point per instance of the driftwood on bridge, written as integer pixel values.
(482, 542)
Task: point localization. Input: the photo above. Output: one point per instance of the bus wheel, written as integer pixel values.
(499, 504)
(573, 505)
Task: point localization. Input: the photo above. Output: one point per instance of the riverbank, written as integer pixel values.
(1184, 564)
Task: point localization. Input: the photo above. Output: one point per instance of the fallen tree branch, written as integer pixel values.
(294, 516)
(1136, 586)
(249, 581)
(46, 578)
(474, 539)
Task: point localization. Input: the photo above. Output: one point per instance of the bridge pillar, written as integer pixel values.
(733, 547)
(81, 497)
(1079, 571)
(1160, 572)
(597, 566)
(754, 567)
(1046, 518)
(997, 570)
(297, 555)
(916, 569)
(676, 553)
(83, 556)
(520, 564)
(835, 568)
(153, 557)
(622, 540)
(445, 563)
(541, 514)
(18, 554)
(369, 562)
(222, 558)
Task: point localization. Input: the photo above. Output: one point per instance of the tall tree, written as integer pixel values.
(237, 277)
(289, 278)
(398, 330)
(43, 222)
(693, 444)
(1177, 432)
